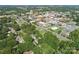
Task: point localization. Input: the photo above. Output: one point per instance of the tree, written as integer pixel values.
(47, 49)
(74, 36)
(28, 28)
(51, 39)
(66, 47)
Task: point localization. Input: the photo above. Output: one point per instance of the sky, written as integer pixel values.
(39, 2)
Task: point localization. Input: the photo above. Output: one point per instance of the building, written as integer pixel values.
(40, 18)
(19, 39)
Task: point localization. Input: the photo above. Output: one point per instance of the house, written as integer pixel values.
(41, 24)
(19, 39)
(12, 30)
(40, 18)
(35, 40)
(28, 52)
